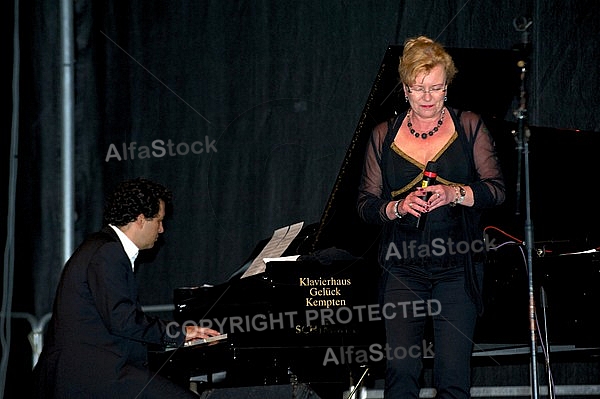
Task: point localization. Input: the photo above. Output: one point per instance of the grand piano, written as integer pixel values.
(295, 321)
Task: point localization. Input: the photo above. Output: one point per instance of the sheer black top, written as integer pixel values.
(450, 233)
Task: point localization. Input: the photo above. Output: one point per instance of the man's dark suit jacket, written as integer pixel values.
(96, 342)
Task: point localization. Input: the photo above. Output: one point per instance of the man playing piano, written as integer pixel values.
(96, 342)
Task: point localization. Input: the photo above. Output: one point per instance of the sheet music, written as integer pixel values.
(281, 240)
(589, 251)
(282, 259)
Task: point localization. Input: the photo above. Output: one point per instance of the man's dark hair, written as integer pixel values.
(134, 197)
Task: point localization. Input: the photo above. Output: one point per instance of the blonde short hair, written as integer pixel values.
(420, 55)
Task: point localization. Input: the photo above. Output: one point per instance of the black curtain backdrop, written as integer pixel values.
(245, 110)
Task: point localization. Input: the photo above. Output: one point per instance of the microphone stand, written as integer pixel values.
(551, 394)
(522, 137)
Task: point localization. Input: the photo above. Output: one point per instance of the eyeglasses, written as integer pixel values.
(433, 90)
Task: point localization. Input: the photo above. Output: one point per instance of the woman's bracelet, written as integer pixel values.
(398, 215)
(456, 194)
(459, 195)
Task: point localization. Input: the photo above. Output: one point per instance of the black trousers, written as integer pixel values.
(411, 295)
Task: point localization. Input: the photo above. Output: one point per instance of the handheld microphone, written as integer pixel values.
(429, 178)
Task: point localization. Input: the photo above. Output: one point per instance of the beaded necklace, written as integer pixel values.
(429, 133)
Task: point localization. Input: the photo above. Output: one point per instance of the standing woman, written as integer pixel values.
(442, 262)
